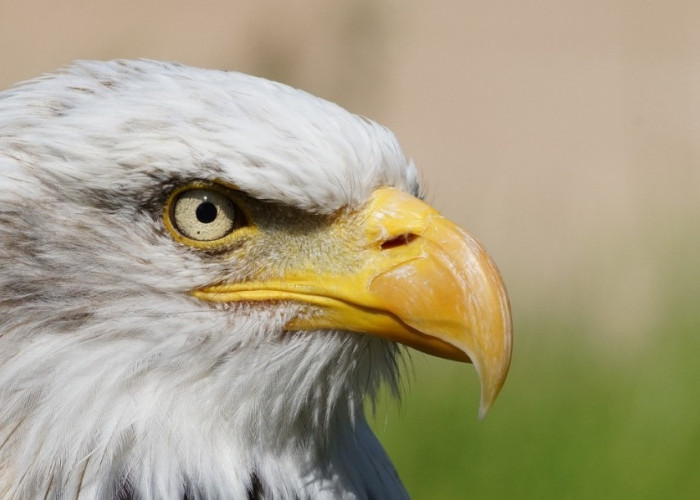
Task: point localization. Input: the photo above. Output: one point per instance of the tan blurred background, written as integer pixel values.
(563, 134)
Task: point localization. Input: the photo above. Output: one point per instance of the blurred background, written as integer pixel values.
(565, 135)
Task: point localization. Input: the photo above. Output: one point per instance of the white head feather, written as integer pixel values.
(114, 381)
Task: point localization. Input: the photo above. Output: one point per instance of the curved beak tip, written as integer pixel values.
(492, 371)
(489, 391)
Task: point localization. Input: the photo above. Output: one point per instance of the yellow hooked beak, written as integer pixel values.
(419, 280)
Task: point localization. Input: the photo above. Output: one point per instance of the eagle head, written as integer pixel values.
(204, 276)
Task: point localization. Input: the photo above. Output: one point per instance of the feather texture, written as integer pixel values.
(114, 381)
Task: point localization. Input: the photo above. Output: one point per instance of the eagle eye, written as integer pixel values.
(205, 214)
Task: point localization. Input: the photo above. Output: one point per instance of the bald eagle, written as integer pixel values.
(204, 277)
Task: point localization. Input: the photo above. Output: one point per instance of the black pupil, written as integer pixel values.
(206, 212)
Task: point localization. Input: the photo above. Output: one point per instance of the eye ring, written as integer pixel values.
(203, 214)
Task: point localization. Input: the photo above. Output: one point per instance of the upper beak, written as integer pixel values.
(421, 281)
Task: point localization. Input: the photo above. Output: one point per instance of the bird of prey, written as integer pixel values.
(204, 277)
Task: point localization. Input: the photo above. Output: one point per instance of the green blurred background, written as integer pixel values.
(565, 136)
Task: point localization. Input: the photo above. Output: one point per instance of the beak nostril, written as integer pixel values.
(397, 241)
